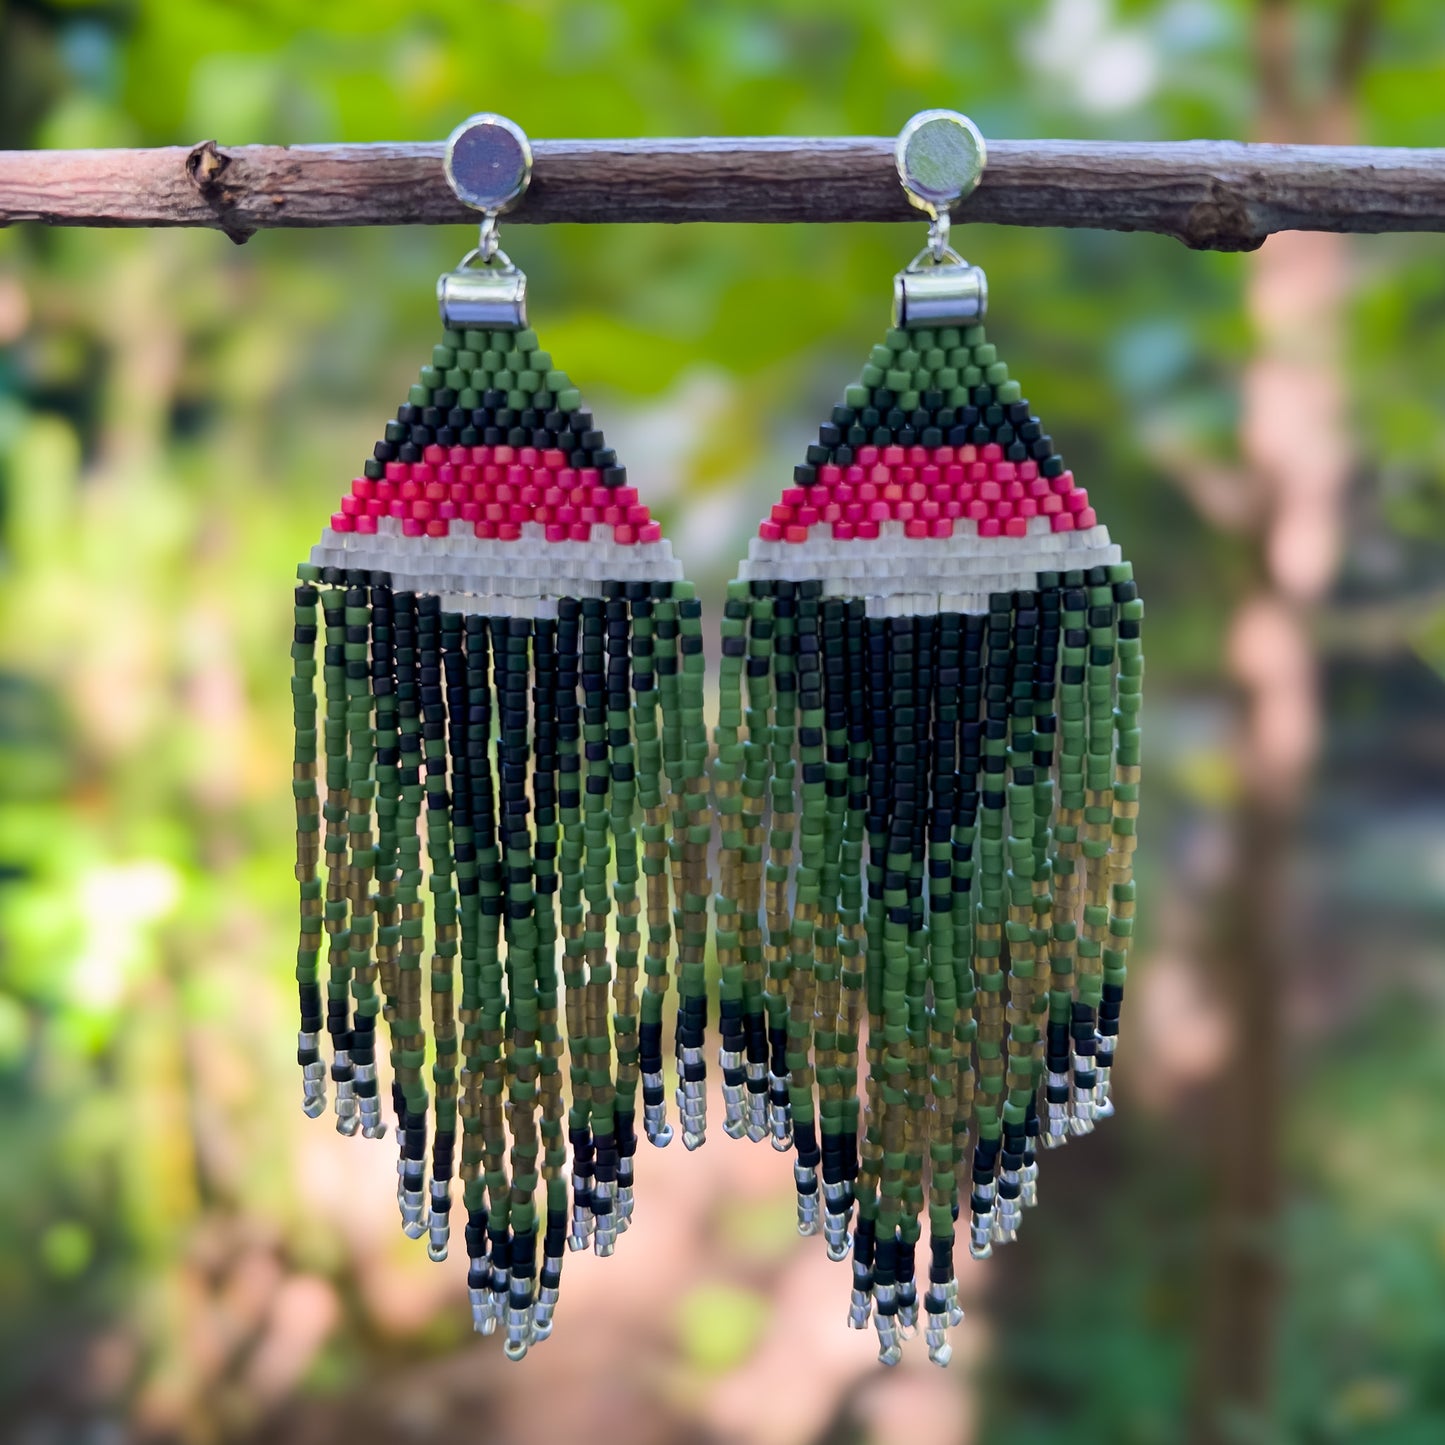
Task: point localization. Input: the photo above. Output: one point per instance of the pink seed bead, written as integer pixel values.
(831, 512)
(1063, 522)
(917, 455)
(1076, 501)
(1028, 471)
(437, 527)
(843, 493)
(1016, 527)
(366, 525)
(554, 459)
(990, 491)
(794, 496)
(953, 475)
(967, 453)
(527, 456)
(397, 471)
(1086, 519)
(781, 513)
(579, 532)
(363, 487)
(486, 530)
(1064, 482)
(916, 527)
(508, 531)
(978, 472)
(929, 511)
(410, 527)
(471, 512)
(1026, 507)
(1003, 510)
(807, 516)
(446, 473)
(386, 491)
(930, 476)
(447, 510)
(638, 516)
(990, 527)
(868, 492)
(424, 474)
(350, 506)
(625, 535)
(423, 510)
(340, 522)
(867, 455)
(855, 512)
(856, 474)
(830, 474)
(590, 476)
(905, 476)
(652, 532)
(866, 531)
(567, 478)
(376, 507)
(905, 511)
(556, 532)
(892, 456)
(1006, 471)
(943, 527)
(879, 511)
(952, 511)
(1051, 505)
(795, 534)
(992, 452)
(624, 496)
(457, 455)
(398, 508)
(770, 532)
(977, 509)
(612, 516)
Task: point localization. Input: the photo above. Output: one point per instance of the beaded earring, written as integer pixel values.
(938, 740)
(510, 653)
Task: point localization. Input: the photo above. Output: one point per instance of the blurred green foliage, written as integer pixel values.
(177, 416)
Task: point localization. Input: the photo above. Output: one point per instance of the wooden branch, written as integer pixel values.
(1213, 195)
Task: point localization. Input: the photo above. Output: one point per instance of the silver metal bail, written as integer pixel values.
(488, 163)
(940, 156)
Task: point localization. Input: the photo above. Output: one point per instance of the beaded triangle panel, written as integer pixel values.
(512, 673)
(927, 772)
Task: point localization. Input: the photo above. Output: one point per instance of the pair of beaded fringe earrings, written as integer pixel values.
(918, 808)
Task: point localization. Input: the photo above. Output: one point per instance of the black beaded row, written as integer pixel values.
(985, 420)
(493, 424)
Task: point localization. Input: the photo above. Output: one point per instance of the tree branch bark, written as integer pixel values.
(1214, 195)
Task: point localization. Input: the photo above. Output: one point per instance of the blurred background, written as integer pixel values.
(1253, 1252)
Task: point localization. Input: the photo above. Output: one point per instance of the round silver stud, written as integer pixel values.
(488, 162)
(940, 157)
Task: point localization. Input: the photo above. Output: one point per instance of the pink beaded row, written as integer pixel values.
(928, 490)
(496, 490)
